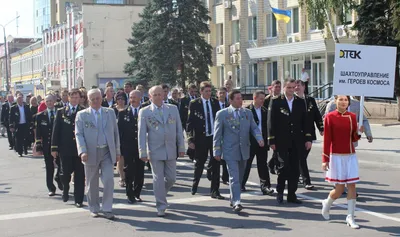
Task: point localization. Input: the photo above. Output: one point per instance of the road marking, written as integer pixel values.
(173, 201)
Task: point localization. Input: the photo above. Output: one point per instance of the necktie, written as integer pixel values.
(223, 105)
(98, 117)
(51, 117)
(135, 114)
(208, 119)
(160, 111)
(237, 114)
(73, 110)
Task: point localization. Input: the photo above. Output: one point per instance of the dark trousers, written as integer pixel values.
(306, 88)
(225, 174)
(262, 167)
(288, 170)
(69, 165)
(273, 162)
(10, 136)
(214, 166)
(49, 162)
(22, 138)
(134, 175)
(305, 174)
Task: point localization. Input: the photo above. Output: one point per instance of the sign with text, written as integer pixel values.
(364, 70)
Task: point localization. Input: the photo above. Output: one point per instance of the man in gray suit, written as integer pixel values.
(97, 140)
(233, 126)
(354, 108)
(160, 130)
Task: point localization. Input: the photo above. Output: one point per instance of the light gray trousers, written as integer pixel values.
(164, 177)
(103, 168)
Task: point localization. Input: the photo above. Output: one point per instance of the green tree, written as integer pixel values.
(320, 12)
(378, 24)
(168, 45)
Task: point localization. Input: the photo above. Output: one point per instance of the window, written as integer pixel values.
(235, 32)
(253, 74)
(221, 75)
(293, 25)
(272, 72)
(220, 34)
(44, 11)
(271, 26)
(253, 28)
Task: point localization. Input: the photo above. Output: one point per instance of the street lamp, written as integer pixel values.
(6, 51)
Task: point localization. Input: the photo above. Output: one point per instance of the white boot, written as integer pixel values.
(326, 206)
(351, 206)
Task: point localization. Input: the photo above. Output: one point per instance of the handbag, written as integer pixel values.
(36, 153)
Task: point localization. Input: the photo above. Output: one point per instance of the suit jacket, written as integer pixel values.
(161, 134)
(128, 132)
(264, 118)
(5, 114)
(14, 116)
(232, 136)
(285, 126)
(267, 101)
(196, 123)
(63, 138)
(184, 110)
(86, 133)
(313, 116)
(44, 130)
(354, 108)
(104, 103)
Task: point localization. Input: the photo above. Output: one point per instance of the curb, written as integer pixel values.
(390, 124)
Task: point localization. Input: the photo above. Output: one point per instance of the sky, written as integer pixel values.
(8, 12)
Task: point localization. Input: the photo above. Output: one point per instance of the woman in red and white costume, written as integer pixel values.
(339, 158)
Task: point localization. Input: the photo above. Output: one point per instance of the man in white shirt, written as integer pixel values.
(20, 119)
(305, 78)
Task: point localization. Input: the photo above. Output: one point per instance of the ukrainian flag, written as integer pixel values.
(282, 14)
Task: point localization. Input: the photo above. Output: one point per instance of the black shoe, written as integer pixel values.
(309, 187)
(131, 200)
(209, 175)
(217, 195)
(79, 205)
(225, 182)
(267, 191)
(194, 189)
(294, 200)
(51, 194)
(237, 208)
(356, 195)
(26, 152)
(243, 189)
(279, 198)
(65, 197)
(20, 154)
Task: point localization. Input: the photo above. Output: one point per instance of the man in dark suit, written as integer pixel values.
(275, 90)
(5, 116)
(184, 110)
(44, 129)
(260, 118)
(143, 97)
(63, 145)
(108, 100)
(313, 116)
(288, 134)
(200, 132)
(64, 100)
(20, 119)
(221, 95)
(128, 87)
(128, 133)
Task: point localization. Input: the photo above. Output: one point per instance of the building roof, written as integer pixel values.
(36, 45)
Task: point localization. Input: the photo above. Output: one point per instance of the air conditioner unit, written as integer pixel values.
(220, 50)
(291, 39)
(234, 59)
(237, 46)
(232, 49)
(227, 4)
(341, 32)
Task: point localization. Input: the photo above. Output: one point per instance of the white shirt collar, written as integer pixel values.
(133, 108)
(21, 106)
(156, 107)
(289, 100)
(204, 100)
(94, 111)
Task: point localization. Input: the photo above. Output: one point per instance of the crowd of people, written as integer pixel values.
(84, 134)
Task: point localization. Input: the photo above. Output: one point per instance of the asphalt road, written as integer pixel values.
(26, 210)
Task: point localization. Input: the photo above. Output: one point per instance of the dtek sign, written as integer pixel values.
(354, 54)
(363, 70)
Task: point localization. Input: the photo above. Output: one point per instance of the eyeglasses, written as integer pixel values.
(120, 98)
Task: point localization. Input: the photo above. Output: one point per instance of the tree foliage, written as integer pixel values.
(170, 36)
(378, 25)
